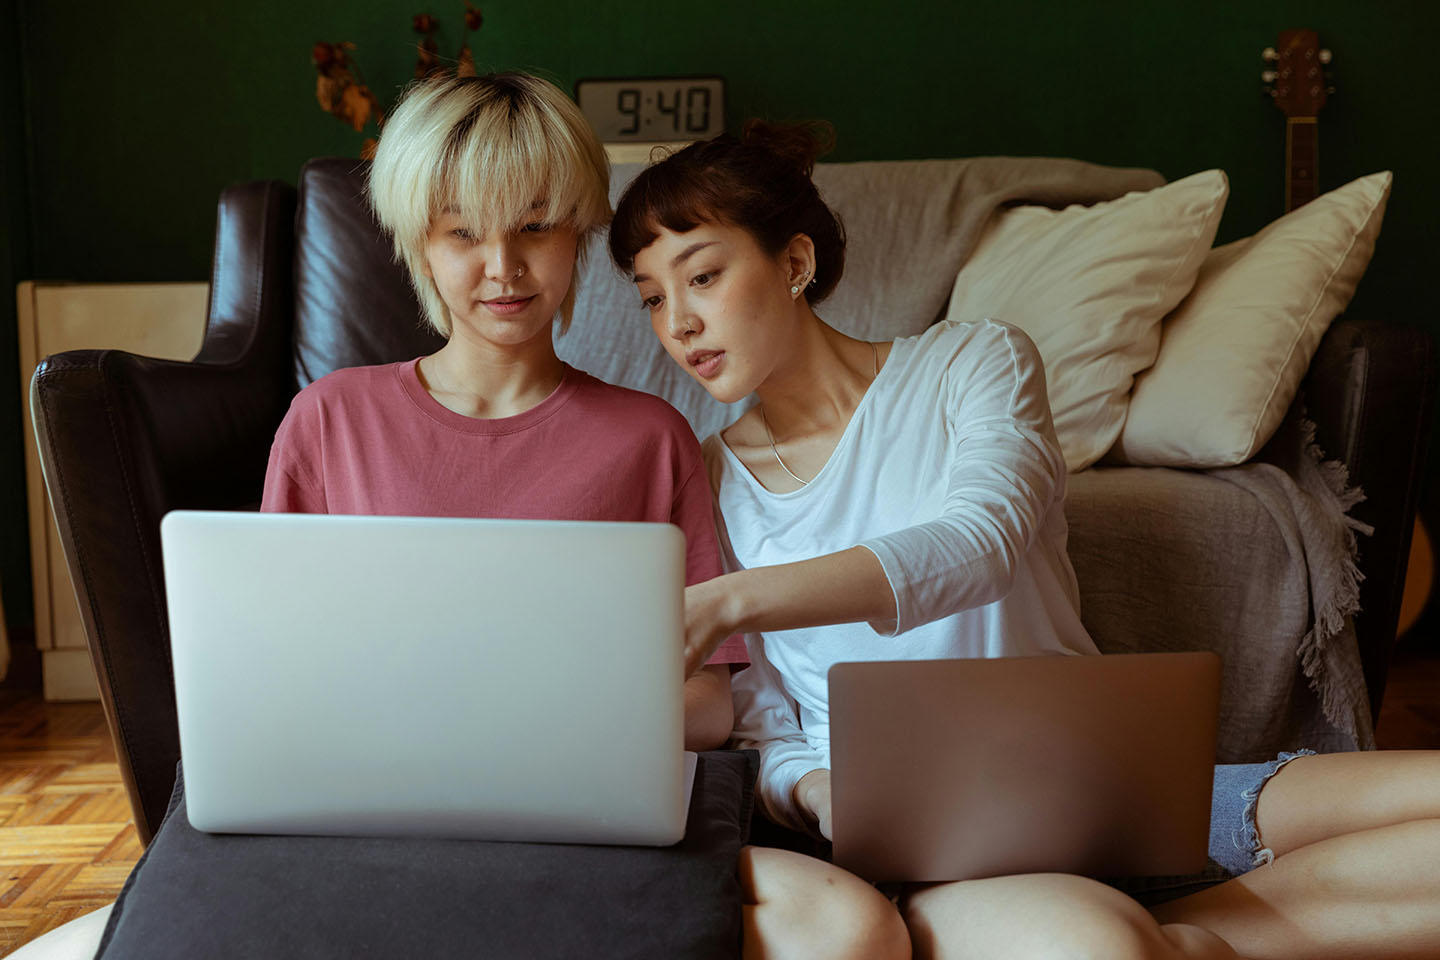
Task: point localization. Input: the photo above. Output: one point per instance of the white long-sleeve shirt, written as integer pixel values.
(949, 471)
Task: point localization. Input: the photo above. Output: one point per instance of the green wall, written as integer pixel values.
(15, 265)
(140, 114)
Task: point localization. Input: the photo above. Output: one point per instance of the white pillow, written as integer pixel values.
(1232, 356)
(1090, 286)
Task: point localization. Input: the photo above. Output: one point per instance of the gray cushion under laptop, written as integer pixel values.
(196, 894)
(432, 782)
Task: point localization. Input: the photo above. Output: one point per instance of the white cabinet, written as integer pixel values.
(154, 319)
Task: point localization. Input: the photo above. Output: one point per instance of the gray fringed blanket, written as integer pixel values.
(1255, 562)
(1309, 498)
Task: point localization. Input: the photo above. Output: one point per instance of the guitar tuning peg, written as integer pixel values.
(1326, 56)
(1330, 91)
(1268, 76)
(1269, 55)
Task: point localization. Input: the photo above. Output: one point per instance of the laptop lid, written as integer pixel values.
(493, 679)
(955, 769)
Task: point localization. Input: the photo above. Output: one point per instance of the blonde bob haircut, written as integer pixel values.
(491, 148)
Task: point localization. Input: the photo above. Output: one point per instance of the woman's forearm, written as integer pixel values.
(812, 799)
(845, 587)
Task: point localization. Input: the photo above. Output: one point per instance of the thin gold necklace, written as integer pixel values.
(875, 356)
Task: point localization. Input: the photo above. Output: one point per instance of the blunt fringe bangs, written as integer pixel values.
(490, 148)
(759, 182)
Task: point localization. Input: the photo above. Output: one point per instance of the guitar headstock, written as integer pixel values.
(1297, 79)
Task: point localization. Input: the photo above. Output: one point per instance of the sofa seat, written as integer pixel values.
(1171, 560)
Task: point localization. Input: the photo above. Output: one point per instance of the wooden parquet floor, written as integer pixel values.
(67, 841)
(1410, 712)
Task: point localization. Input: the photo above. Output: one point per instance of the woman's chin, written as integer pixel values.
(724, 392)
(725, 384)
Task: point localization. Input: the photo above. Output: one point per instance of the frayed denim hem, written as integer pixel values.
(1246, 837)
(1235, 843)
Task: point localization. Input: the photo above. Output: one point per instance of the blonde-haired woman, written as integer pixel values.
(490, 187)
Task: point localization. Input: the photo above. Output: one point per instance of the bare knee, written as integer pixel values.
(864, 925)
(835, 926)
(1039, 917)
(1122, 933)
(805, 908)
(1196, 942)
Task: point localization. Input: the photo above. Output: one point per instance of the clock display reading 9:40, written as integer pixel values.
(653, 108)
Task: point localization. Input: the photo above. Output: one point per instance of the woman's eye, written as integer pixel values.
(650, 303)
(536, 226)
(703, 279)
(460, 233)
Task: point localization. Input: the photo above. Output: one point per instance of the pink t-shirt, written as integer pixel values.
(371, 440)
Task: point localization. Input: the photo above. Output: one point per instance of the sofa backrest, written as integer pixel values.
(353, 302)
(909, 226)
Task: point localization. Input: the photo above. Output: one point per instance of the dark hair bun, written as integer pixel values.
(799, 143)
(759, 181)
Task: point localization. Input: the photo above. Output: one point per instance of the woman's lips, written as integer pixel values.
(507, 306)
(707, 362)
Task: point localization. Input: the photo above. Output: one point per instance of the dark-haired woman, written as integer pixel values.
(905, 500)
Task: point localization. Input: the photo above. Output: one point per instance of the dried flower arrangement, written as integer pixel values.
(340, 87)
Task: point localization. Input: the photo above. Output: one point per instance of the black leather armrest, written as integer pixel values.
(252, 285)
(124, 439)
(1370, 390)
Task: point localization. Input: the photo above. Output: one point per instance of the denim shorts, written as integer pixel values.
(1235, 844)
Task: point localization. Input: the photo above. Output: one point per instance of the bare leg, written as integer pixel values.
(1329, 795)
(797, 906)
(1357, 871)
(1043, 916)
(1363, 896)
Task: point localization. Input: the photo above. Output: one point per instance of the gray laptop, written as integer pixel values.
(492, 679)
(955, 769)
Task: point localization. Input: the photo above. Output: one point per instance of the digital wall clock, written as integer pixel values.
(653, 109)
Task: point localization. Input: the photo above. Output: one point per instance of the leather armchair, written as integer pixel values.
(304, 283)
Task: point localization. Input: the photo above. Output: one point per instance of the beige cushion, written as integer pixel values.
(1232, 356)
(1090, 286)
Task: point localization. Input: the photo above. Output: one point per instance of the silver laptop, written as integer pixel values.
(956, 769)
(395, 676)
